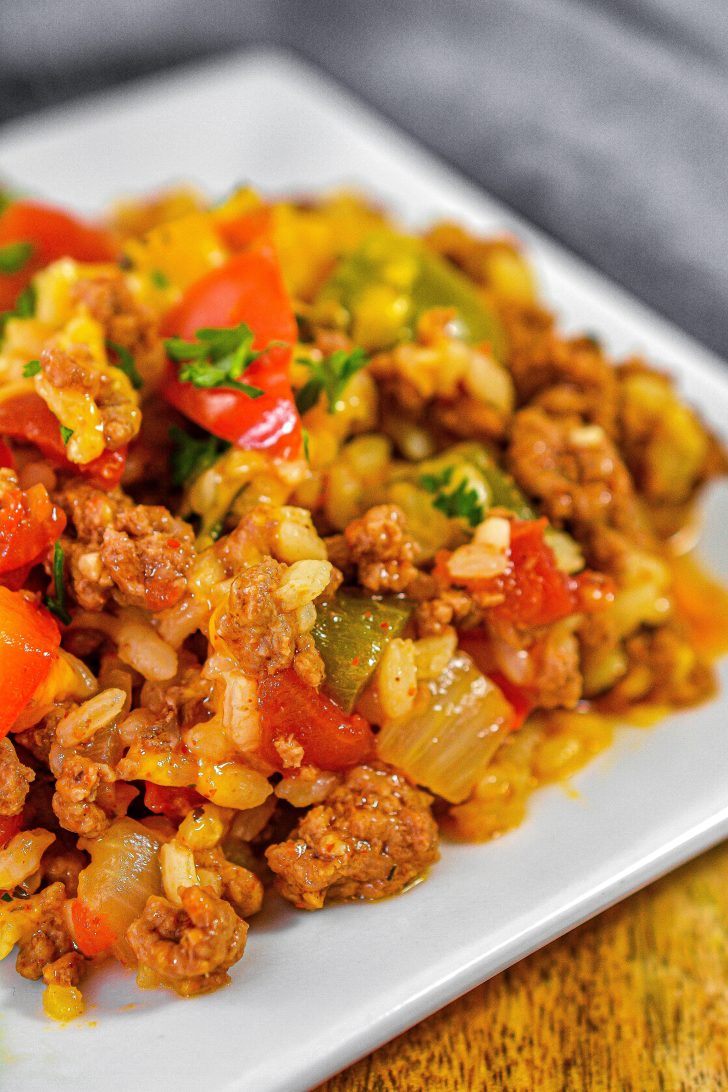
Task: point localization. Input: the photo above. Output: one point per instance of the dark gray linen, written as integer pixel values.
(603, 121)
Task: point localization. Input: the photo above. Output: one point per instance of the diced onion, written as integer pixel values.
(455, 727)
(123, 873)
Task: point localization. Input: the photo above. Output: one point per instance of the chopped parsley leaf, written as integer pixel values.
(6, 896)
(460, 503)
(24, 308)
(306, 439)
(66, 433)
(159, 279)
(217, 358)
(25, 303)
(125, 362)
(56, 603)
(329, 376)
(31, 368)
(13, 256)
(191, 456)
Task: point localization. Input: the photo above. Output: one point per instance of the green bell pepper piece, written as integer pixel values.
(352, 631)
(421, 279)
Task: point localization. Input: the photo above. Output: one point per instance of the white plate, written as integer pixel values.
(316, 991)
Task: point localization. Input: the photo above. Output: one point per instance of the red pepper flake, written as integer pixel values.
(355, 661)
(385, 626)
(173, 543)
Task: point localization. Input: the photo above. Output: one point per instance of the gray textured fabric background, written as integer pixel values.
(603, 121)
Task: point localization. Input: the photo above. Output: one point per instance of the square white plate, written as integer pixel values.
(316, 991)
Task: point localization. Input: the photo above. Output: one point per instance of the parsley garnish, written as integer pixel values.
(306, 440)
(66, 433)
(217, 358)
(25, 303)
(31, 368)
(329, 376)
(159, 279)
(6, 896)
(24, 308)
(13, 256)
(191, 456)
(462, 502)
(56, 603)
(125, 362)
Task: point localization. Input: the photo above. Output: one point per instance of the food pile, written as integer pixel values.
(316, 537)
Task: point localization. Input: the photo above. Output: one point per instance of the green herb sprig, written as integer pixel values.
(125, 362)
(13, 256)
(56, 602)
(462, 502)
(24, 308)
(190, 456)
(217, 358)
(329, 376)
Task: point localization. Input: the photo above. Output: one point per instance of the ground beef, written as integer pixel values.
(148, 556)
(447, 607)
(575, 472)
(262, 636)
(14, 780)
(372, 836)
(556, 668)
(84, 801)
(63, 864)
(240, 887)
(663, 669)
(125, 321)
(190, 947)
(49, 938)
(545, 365)
(141, 552)
(381, 549)
(75, 370)
(67, 970)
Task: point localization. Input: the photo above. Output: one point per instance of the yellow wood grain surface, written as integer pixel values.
(633, 1001)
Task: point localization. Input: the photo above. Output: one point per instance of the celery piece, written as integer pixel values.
(352, 631)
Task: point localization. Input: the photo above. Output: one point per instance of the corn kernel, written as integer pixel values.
(62, 1002)
(204, 828)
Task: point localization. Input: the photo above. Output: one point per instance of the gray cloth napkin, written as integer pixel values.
(605, 122)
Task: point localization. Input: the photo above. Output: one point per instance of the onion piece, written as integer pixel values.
(123, 873)
(457, 723)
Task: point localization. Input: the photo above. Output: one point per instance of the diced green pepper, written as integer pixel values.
(352, 631)
(390, 280)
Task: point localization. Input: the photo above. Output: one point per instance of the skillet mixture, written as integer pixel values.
(315, 538)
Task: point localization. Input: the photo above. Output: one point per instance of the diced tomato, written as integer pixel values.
(478, 645)
(26, 417)
(29, 640)
(29, 524)
(330, 738)
(6, 456)
(174, 802)
(536, 591)
(521, 701)
(247, 288)
(9, 826)
(52, 234)
(92, 931)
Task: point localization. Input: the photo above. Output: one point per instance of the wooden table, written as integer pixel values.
(635, 1000)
